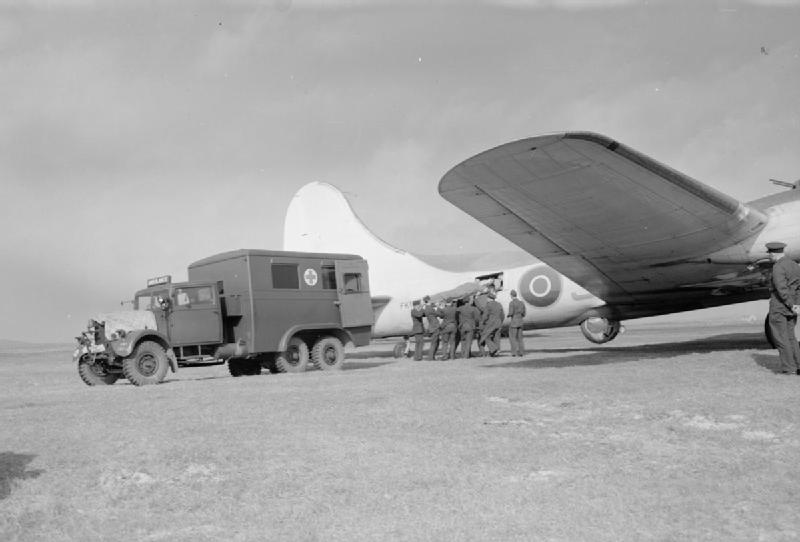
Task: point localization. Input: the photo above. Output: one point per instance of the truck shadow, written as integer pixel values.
(14, 467)
(601, 355)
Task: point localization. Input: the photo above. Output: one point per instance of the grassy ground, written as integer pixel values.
(680, 433)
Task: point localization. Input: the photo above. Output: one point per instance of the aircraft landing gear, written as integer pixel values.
(601, 330)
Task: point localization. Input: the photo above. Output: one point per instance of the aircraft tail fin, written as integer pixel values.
(320, 219)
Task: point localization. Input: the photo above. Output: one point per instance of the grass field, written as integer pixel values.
(668, 433)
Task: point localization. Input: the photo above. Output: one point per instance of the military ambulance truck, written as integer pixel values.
(249, 308)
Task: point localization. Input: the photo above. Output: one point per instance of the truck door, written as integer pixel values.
(195, 317)
(355, 304)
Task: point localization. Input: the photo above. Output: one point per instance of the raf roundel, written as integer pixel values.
(540, 286)
(310, 276)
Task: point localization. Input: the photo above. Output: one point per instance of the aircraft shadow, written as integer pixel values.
(14, 467)
(609, 354)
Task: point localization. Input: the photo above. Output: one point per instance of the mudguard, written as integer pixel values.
(335, 330)
(124, 346)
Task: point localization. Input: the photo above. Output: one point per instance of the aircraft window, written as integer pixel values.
(328, 277)
(284, 276)
(198, 296)
(352, 282)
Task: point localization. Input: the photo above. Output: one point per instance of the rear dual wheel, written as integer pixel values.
(327, 354)
(294, 359)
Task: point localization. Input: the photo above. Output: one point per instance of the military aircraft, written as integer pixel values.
(612, 235)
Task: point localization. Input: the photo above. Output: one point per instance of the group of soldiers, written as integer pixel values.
(479, 318)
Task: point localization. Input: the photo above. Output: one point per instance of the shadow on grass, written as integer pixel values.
(599, 355)
(13, 467)
(771, 363)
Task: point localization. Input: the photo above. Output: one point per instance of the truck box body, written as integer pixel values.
(266, 296)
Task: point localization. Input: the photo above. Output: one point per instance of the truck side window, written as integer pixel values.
(284, 276)
(328, 277)
(352, 282)
(195, 297)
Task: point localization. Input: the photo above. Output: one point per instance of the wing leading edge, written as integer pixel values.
(615, 221)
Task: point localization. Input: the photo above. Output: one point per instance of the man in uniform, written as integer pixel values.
(432, 314)
(468, 317)
(493, 318)
(480, 303)
(449, 327)
(516, 311)
(784, 304)
(417, 329)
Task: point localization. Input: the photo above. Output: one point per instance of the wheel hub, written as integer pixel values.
(147, 365)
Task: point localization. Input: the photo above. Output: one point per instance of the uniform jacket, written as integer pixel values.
(516, 311)
(469, 316)
(432, 314)
(493, 315)
(449, 318)
(784, 287)
(416, 317)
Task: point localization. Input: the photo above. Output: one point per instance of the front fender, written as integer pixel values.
(123, 347)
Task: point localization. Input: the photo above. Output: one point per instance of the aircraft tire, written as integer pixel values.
(147, 365)
(399, 349)
(93, 374)
(328, 354)
(600, 330)
(294, 359)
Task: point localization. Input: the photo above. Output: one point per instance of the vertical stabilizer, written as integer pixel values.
(320, 219)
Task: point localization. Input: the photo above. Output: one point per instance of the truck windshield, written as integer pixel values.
(148, 301)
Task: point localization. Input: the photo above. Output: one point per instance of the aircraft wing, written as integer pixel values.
(615, 221)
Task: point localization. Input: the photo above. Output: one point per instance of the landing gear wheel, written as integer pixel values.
(328, 354)
(399, 349)
(294, 359)
(147, 365)
(93, 374)
(600, 330)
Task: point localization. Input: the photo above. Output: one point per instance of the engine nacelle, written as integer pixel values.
(601, 330)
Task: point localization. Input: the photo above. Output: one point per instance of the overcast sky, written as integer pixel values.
(136, 138)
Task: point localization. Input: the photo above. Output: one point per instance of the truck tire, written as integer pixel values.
(235, 367)
(147, 365)
(327, 354)
(252, 367)
(294, 359)
(93, 374)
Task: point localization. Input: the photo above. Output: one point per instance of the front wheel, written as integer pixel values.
(93, 374)
(328, 353)
(294, 359)
(147, 365)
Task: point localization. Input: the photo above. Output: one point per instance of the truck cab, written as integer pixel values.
(188, 314)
